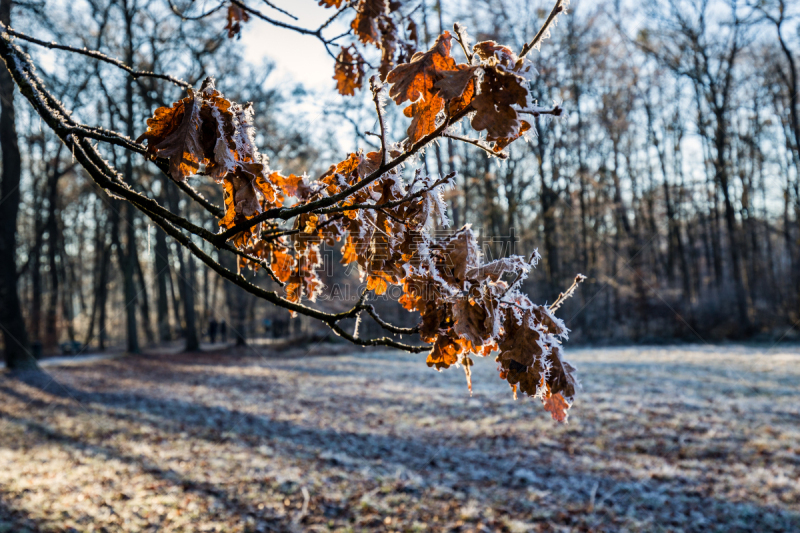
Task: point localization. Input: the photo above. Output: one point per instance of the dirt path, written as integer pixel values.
(662, 439)
(171, 348)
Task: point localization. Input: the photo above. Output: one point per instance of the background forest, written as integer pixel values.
(672, 182)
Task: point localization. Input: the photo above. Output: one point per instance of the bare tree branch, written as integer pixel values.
(558, 8)
(290, 212)
(95, 55)
(562, 297)
(478, 143)
(21, 69)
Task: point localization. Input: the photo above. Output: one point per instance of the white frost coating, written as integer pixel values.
(433, 202)
(244, 134)
(528, 70)
(210, 83)
(465, 38)
(312, 297)
(454, 129)
(384, 126)
(553, 23)
(440, 206)
(535, 257)
(222, 154)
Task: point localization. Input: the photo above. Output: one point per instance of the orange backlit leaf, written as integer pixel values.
(365, 24)
(174, 133)
(557, 406)
(445, 352)
(416, 81)
(349, 71)
(281, 263)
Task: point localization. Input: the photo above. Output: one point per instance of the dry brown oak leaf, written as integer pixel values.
(236, 15)
(499, 91)
(349, 71)
(365, 24)
(416, 82)
(174, 133)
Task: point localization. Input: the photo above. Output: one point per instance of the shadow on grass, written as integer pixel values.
(472, 465)
(15, 521)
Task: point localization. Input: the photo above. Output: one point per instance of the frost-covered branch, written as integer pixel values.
(537, 111)
(57, 118)
(388, 205)
(478, 143)
(285, 213)
(562, 297)
(376, 87)
(387, 227)
(94, 54)
(544, 30)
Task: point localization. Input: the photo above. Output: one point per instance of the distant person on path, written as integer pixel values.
(223, 331)
(212, 330)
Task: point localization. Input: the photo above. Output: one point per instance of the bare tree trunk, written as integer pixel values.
(15, 336)
(192, 339)
(162, 273)
(547, 199)
(721, 177)
(235, 297)
(51, 314)
(102, 298)
(186, 285)
(128, 281)
(101, 285)
(36, 278)
(128, 259)
(67, 309)
(145, 299)
(176, 302)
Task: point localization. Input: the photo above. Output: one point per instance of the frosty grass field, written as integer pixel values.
(691, 438)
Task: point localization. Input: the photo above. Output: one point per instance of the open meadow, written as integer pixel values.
(691, 438)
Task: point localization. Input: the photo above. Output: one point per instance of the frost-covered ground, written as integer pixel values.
(662, 439)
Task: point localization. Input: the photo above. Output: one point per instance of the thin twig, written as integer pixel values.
(196, 196)
(461, 39)
(556, 111)
(196, 17)
(385, 325)
(291, 212)
(332, 18)
(580, 278)
(558, 8)
(304, 31)
(478, 143)
(531, 259)
(393, 203)
(112, 137)
(280, 10)
(376, 86)
(95, 55)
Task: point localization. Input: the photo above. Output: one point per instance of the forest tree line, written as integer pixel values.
(672, 182)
